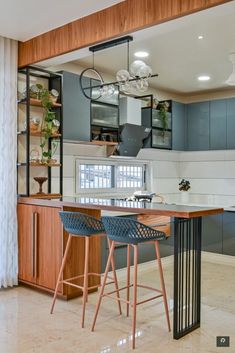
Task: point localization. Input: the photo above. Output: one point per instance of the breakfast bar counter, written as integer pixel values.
(187, 246)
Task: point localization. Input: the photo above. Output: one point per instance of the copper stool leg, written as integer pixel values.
(104, 283)
(61, 271)
(85, 280)
(128, 278)
(162, 284)
(115, 279)
(134, 295)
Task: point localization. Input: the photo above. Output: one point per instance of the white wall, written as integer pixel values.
(211, 173)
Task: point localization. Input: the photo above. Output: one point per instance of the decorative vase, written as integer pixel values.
(40, 181)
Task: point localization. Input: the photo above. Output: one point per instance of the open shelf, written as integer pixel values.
(46, 196)
(38, 134)
(38, 165)
(37, 103)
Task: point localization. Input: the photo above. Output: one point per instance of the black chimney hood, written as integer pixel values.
(132, 138)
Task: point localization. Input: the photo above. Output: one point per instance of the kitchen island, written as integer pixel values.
(47, 236)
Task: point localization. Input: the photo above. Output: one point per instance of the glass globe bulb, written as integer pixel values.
(144, 71)
(125, 87)
(135, 67)
(107, 91)
(122, 75)
(142, 85)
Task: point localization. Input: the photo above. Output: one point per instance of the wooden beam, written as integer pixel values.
(122, 18)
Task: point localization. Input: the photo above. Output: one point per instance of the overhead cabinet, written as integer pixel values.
(218, 128)
(161, 136)
(230, 125)
(211, 125)
(76, 107)
(198, 115)
(179, 126)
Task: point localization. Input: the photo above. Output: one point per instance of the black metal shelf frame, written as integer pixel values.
(55, 80)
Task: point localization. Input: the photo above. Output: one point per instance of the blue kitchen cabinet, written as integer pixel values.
(229, 233)
(218, 124)
(76, 108)
(230, 123)
(198, 123)
(212, 233)
(179, 126)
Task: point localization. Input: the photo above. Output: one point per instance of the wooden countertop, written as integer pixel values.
(180, 211)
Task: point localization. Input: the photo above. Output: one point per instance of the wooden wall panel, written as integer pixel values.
(120, 19)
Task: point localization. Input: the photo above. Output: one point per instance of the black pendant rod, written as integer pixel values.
(118, 82)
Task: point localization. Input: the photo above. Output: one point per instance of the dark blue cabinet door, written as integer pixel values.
(229, 233)
(76, 108)
(231, 123)
(218, 125)
(212, 233)
(179, 126)
(198, 126)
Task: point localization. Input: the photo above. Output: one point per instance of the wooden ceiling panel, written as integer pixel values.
(122, 18)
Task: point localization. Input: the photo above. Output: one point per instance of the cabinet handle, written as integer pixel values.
(32, 244)
(35, 244)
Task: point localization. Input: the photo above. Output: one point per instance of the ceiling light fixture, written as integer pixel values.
(203, 78)
(231, 80)
(200, 37)
(133, 79)
(141, 54)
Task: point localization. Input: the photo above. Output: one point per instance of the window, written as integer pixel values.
(130, 176)
(95, 176)
(115, 175)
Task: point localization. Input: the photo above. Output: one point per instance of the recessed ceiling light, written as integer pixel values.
(200, 37)
(203, 78)
(141, 54)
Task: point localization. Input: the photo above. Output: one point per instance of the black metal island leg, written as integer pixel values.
(187, 275)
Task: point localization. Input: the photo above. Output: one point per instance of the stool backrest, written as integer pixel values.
(125, 229)
(80, 224)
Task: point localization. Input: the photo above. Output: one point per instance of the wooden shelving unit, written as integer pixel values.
(37, 103)
(26, 168)
(38, 134)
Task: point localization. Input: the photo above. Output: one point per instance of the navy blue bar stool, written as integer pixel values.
(131, 232)
(81, 225)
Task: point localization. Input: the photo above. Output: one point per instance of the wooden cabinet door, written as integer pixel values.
(49, 246)
(26, 244)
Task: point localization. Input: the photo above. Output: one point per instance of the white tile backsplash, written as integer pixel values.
(165, 169)
(211, 173)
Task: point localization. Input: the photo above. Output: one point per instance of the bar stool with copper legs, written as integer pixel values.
(128, 231)
(81, 225)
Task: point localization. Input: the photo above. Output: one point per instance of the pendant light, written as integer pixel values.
(231, 80)
(134, 77)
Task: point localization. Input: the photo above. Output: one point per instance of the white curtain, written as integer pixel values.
(8, 156)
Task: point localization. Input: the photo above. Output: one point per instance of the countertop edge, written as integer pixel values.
(178, 214)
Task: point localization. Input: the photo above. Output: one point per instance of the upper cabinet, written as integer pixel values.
(179, 126)
(218, 109)
(211, 125)
(230, 123)
(76, 108)
(160, 121)
(198, 117)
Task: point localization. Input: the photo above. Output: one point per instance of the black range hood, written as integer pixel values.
(132, 138)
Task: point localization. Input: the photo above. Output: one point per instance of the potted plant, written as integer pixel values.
(162, 114)
(48, 128)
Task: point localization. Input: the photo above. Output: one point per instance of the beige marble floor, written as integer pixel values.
(27, 327)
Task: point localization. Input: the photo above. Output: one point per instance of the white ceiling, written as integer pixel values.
(24, 19)
(176, 53)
